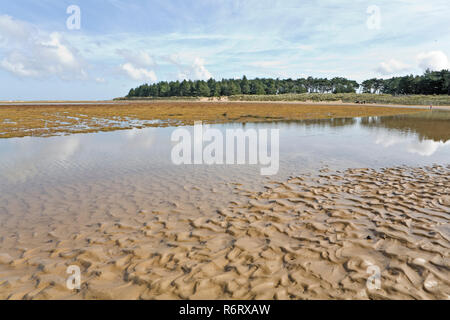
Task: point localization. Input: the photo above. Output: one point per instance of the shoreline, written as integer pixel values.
(207, 100)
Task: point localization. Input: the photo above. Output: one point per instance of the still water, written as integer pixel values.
(413, 140)
(88, 178)
(115, 201)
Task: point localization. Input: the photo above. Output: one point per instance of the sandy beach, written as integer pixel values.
(139, 227)
(309, 237)
(224, 159)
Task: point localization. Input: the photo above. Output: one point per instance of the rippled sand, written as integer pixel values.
(310, 237)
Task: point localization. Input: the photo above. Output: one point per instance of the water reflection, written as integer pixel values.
(26, 156)
(428, 126)
(422, 134)
(332, 123)
(311, 123)
(410, 143)
(418, 139)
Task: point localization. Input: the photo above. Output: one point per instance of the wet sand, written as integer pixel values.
(309, 237)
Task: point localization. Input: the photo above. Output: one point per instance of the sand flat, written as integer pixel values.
(310, 237)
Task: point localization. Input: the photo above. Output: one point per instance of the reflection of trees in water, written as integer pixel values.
(333, 123)
(430, 126)
(318, 123)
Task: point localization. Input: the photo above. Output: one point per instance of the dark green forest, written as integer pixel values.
(430, 83)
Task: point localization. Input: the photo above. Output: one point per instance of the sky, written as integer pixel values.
(99, 49)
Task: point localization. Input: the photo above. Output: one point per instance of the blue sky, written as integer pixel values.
(122, 44)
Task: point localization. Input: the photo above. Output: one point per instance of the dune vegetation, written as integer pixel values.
(406, 100)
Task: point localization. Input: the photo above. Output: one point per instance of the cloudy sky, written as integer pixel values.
(49, 51)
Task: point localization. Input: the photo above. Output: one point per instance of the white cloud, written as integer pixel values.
(189, 68)
(392, 66)
(140, 74)
(138, 65)
(433, 60)
(31, 52)
(139, 58)
(13, 30)
(199, 70)
(14, 65)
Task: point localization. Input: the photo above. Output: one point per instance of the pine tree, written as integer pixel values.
(245, 86)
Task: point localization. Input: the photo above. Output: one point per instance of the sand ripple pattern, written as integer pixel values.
(310, 237)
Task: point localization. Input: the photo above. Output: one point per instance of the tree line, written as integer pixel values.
(430, 83)
(436, 82)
